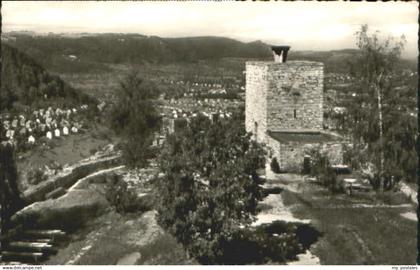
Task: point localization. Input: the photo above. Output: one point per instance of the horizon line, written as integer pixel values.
(44, 33)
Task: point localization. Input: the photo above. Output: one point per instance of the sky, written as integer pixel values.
(302, 25)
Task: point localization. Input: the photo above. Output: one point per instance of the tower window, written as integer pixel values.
(255, 130)
(294, 113)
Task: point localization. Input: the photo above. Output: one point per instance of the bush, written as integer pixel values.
(36, 176)
(321, 168)
(210, 185)
(275, 167)
(277, 242)
(120, 197)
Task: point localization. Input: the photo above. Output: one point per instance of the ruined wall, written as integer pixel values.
(255, 99)
(290, 155)
(295, 96)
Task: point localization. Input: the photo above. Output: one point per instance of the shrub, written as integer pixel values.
(119, 196)
(54, 167)
(321, 168)
(275, 167)
(210, 184)
(277, 242)
(36, 176)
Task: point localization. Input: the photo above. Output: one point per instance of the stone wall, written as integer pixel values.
(283, 97)
(295, 96)
(255, 99)
(287, 97)
(290, 155)
(69, 176)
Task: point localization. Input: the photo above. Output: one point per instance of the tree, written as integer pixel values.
(210, 185)
(321, 168)
(135, 118)
(10, 199)
(376, 115)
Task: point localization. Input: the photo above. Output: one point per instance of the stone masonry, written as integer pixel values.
(256, 99)
(283, 97)
(286, 99)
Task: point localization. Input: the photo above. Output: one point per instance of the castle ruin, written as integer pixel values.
(284, 109)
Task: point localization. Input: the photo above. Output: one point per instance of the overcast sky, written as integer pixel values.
(303, 25)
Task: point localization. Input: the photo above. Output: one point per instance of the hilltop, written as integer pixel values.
(26, 83)
(88, 52)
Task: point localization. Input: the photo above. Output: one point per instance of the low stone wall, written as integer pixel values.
(86, 199)
(290, 156)
(68, 177)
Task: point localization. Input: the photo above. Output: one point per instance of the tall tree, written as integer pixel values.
(10, 198)
(210, 185)
(372, 111)
(134, 117)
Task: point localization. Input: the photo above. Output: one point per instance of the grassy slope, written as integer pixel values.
(113, 236)
(355, 235)
(64, 150)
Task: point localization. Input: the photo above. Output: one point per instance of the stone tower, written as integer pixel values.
(283, 110)
(283, 96)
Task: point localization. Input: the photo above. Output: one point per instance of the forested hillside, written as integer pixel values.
(26, 83)
(337, 61)
(92, 52)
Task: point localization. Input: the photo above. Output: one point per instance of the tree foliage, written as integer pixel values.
(24, 82)
(274, 165)
(10, 199)
(135, 118)
(321, 168)
(380, 121)
(95, 50)
(210, 185)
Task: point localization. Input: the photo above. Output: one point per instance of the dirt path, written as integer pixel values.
(122, 239)
(115, 238)
(273, 208)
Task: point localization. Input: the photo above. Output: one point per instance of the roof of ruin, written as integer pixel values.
(304, 137)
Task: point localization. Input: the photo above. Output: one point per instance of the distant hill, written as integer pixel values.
(338, 60)
(334, 61)
(84, 52)
(63, 53)
(26, 83)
